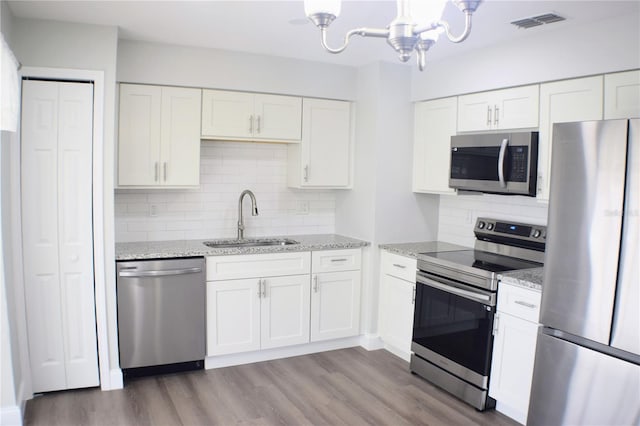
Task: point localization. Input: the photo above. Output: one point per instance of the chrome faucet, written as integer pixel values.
(254, 211)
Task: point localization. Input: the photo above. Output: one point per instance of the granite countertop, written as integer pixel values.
(190, 248)
(528, 278)
(413, 249)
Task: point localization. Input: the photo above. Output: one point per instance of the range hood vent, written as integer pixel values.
(535, 21)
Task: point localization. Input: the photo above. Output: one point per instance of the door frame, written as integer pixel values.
(108, 380)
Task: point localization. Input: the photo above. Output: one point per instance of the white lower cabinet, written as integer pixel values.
(265, 301)
(335, 296)
(514, 349)
(397, 289)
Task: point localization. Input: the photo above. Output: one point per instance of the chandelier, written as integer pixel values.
(417, 25)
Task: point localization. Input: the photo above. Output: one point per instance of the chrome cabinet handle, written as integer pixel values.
(165, 171)
(315, 283)
(259, 288)
(306, 173)
(344, 259)
(503, 150)
(525, 304)
(488, 115)
(413, 299)
(496, 320)
(397, 265)
(251, 124)
(155, 179)
(264, 288)
(258, 125)
(496, 115)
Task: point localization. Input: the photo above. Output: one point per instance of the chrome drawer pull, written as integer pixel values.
(339, 260)
(397, 265)
(528, 305)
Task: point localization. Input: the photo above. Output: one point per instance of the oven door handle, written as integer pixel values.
(471, 295)
(503, 150)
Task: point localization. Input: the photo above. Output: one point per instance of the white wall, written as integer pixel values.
(381, 207)
(211, 211)
(53, 44)
(141, 62)
(571, 51)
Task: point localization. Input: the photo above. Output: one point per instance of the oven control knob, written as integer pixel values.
(490, 226)
(536, 233)
(481, 225)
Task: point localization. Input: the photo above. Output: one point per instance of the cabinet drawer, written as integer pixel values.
(398, 266)
(336, 260)
(519, 302)
(257, 265)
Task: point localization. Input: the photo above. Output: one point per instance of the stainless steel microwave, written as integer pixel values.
(497, 163)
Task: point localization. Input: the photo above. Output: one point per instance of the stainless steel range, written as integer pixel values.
(456, 302)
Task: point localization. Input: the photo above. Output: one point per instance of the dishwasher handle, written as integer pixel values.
(160, 273)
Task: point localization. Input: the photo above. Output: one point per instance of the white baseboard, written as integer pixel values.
(11, 416)
(220, 361)
(511, 412)
(371, 342)
(115, 380)
(398, 352)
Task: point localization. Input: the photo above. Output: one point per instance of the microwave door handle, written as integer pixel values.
(503, 150)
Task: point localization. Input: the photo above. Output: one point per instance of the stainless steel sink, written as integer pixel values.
(250, 242)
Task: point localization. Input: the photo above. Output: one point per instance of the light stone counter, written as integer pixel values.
(191, 248)
(413, 249)
(528, 278)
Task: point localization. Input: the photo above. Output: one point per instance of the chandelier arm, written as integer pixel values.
(364, 32)
(467, 28)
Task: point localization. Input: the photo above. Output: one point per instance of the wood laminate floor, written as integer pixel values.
(344, 387)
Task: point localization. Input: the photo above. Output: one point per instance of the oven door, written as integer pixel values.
(453, 326)
(496, 163)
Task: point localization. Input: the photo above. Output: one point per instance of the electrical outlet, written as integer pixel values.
(153, 210)
(302, 207)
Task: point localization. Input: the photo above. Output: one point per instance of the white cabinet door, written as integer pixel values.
(434, 124)
(159, 136)
(324, 157)
(499, 109)
(250, 116)
(396, 314)
(284, 311)
(57, 133)
(278, 117)
(180, 136)
(139, 135)
(335, 305)
(227, 114)
(564, 101)
(622, 95)
(514, 351)
(233, 316)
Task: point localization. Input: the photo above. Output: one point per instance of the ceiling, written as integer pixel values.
(279, 28)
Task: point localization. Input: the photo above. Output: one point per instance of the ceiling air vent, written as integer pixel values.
(534, 21)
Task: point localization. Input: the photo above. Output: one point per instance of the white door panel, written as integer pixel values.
(57, 232)
(285, 311)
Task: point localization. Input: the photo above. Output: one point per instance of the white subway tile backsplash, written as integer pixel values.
(458, 214)
(210, 211)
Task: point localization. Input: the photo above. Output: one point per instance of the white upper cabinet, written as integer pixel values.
(622, 95)
(564, 101)
(434, 124)
(159, 136)
(324, 158)
(250, 116)
(499, 109)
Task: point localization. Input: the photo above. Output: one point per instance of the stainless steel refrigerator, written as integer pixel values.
(587, 365)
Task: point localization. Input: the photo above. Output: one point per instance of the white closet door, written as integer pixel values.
(57, 234)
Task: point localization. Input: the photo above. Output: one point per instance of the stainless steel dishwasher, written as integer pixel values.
(161, 312)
